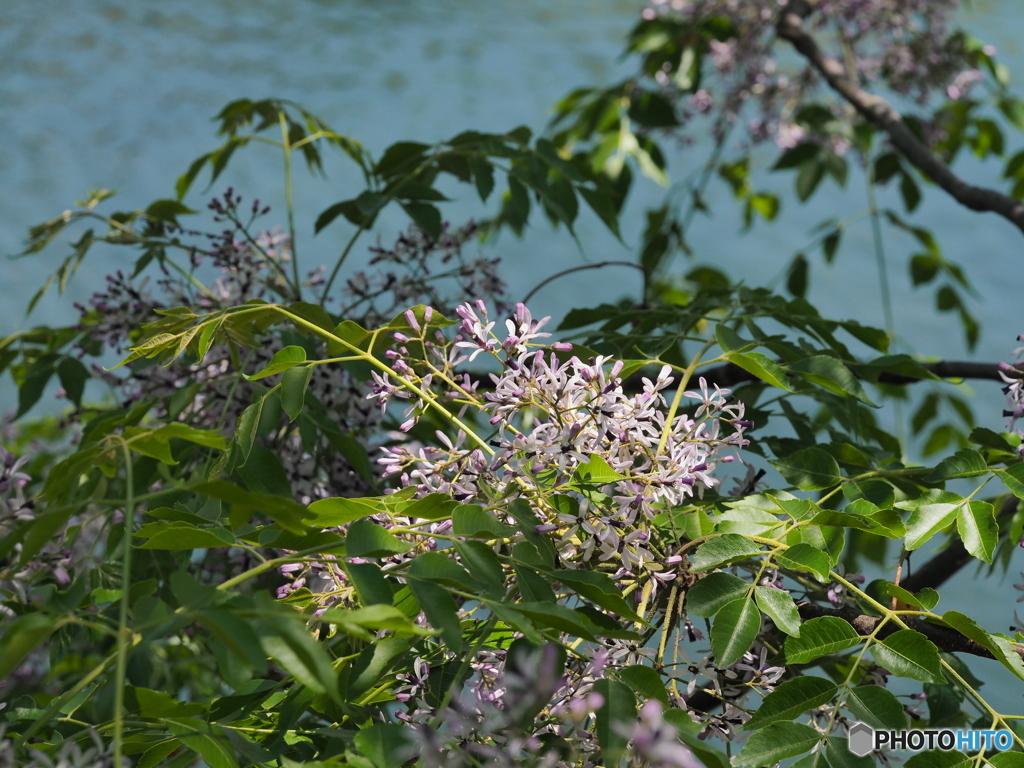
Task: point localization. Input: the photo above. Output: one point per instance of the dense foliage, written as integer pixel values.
(378, 515)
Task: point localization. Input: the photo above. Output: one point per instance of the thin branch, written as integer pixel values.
(879, 112)
(945, 639)
(582, 267)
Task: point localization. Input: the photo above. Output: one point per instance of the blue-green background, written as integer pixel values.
(119, 94)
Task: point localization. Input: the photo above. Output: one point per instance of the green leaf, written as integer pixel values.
(426, 216)
(595, 472)
(907, 653)
(294, 382)
(989, 439)
(1000, 647)
(804, 557)
(157, 704)
(708, 756)
(796, 278)
(154, 756)
(808, 178)
(761, 366)
(721, 550)
(778, 605)
(34, 382)
(237, 635)
(288, 514)
(830, 373)
(437, 566)
(733, 631)
(434, 506)
(810, 469)
(178, 535)
(936, 758)
(929, 518)
(598, 588)
(385, 744)
(373, 617)
(290, 644)
(339, 511)
(21, 637)
(730, 341)
(820, 637)
(400, 158)
(248, 426)
(373, 662)
(713, 592)
(646, 682)
(796, 156)
(558, 617)
(791, 699)
(370, 584)
(976, 522)
(483, 563)
(927, 598)
(878, 707)
(483, 176)
(615, 719)
(367, 539)
(1000, 760)
(776, 742)
(965, 463)
(1013, 477)
(73, 376)
(285, 358)
(532, 586)
(208, 742)
(527, 523)
(441, 611)
(471, 521)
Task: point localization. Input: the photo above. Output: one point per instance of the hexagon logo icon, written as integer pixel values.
(862, 739)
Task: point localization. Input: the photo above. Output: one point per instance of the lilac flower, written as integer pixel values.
(656, 744)
(1013, 375)
(552, 416)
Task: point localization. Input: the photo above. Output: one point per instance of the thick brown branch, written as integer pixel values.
(945, 639)
(880, 113)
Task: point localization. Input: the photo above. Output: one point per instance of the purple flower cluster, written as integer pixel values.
(553, 416)
(13, 505)
(907, 45)
(496, 724)
(418, 268)
(1013, 375)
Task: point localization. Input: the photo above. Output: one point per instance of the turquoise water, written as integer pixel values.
(120, 95)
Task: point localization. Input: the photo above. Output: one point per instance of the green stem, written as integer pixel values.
(883, 274)
(122, 623)
(65, 697)
(684, 382)
(946, 668)
(339, 262)
(883, 285)
(416, 390)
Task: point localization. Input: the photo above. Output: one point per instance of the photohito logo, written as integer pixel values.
(864, 739)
